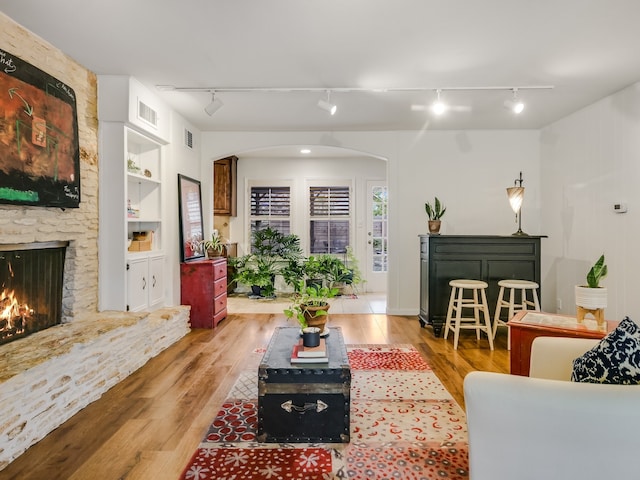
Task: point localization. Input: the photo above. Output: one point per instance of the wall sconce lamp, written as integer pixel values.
(516, 197)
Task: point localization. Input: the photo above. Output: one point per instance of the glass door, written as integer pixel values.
(377, 243)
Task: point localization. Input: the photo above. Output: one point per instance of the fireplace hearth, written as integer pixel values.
(31, 279)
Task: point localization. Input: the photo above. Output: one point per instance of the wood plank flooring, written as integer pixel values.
(148, 426)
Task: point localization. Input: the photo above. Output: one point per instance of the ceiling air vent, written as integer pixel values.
(188, 139)
(148, 114)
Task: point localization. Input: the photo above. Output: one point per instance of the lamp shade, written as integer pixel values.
(516, 197)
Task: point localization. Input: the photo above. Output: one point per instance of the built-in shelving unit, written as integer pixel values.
(132, 143)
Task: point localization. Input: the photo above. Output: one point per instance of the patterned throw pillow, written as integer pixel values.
(615, 359)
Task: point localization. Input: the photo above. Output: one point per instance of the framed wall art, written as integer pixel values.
(39, 152)
(190, 207)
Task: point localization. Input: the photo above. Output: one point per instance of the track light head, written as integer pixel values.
(215, 105)
(332, 108)
(438, 107)
(515, 104)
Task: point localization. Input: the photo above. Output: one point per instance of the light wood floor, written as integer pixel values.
(148, 426)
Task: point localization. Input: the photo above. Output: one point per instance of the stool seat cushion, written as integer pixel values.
(511, 283)
(464, 283)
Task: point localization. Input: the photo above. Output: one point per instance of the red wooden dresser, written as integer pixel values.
(203, 285)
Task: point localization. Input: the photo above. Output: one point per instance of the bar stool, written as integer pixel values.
(523, 286)
(457, 302)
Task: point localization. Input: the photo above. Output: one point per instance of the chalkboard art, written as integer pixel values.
(39, 152)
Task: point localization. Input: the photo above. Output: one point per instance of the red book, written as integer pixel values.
(319, 351)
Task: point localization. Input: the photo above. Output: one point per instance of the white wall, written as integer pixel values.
(185, 161)
(589, 161)
(468, 170)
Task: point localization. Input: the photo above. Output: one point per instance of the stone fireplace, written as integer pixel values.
(31, 283)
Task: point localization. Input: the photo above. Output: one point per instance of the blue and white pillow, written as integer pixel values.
(615, 359)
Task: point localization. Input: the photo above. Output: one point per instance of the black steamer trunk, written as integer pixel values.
(303, 403)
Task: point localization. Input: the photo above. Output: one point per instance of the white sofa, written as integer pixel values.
(547, 428)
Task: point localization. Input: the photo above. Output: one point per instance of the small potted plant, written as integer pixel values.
(256, 272)
(312, 267)
(337, 274)
(435, 213)
(592, 298)
(214, 247)
(310, 307)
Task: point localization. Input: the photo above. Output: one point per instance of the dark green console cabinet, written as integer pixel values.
(477, 257)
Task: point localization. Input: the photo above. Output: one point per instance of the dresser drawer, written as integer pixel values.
(220, 303)
(220, 269)
(219, 287)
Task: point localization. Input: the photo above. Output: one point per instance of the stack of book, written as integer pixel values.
(302, 354)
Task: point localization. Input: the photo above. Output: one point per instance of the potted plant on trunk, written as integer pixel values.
(310, 307)
(592, 298)
(435, 213)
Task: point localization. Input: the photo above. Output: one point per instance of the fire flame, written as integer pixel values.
(12, 313)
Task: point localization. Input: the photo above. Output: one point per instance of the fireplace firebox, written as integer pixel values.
(31, 279)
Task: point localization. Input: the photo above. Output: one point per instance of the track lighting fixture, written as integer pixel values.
(438, 107)
(215, 105)
(515, 104)
(327, 105)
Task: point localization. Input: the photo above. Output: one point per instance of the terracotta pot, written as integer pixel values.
(211, 253)
(314, 320)
(434, 227)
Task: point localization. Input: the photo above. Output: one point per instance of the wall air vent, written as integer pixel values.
(148, 114)
(188, 139)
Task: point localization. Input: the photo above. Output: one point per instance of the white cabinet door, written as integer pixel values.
(156, 277)
(137, 284)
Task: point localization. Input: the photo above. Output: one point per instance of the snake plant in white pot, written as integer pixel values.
(592, 296)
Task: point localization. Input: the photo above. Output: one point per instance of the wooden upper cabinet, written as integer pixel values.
(224, 186)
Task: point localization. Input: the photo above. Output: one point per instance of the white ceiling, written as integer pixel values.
(587, 49)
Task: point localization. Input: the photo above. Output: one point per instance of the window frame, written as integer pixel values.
(328, 183)
(275, 183)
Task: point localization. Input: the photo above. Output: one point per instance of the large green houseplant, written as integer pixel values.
(271, 251)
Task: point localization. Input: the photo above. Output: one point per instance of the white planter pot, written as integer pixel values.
(591, 298)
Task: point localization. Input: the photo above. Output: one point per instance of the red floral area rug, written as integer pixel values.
(404, 425)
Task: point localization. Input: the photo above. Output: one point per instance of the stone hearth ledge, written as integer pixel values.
(49, 376)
